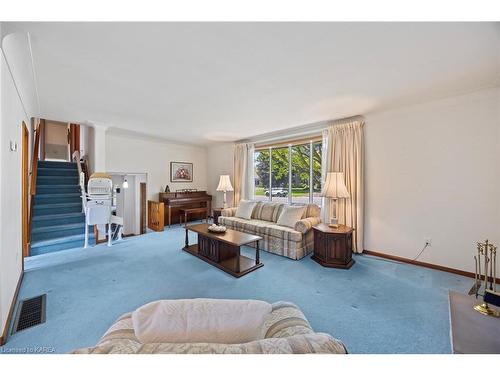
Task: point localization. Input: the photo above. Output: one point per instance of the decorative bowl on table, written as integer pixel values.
(217, 228)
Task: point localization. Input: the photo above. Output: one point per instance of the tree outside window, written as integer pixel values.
(299, 184)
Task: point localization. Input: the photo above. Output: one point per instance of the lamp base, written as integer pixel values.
(333, 223)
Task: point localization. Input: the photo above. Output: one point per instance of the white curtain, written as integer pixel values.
(243, 172)
(343, 151)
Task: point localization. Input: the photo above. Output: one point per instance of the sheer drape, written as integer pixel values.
(243, 172)
(343, 151)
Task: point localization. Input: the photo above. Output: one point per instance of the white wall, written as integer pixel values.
(12, 116)
(432, 170)
(56, 140)
(220, 161)
(134, 154)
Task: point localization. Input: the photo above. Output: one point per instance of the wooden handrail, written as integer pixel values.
(34, 174)
(82, 177)
(34, 163)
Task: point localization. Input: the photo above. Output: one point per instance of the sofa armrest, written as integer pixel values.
(306, 224)
(298, 344)
(231, 211)
(285, 320)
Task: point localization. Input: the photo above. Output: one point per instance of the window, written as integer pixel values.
(279, 174)
(261, 162)
(301, 173)
(290, 174)
(316, 172)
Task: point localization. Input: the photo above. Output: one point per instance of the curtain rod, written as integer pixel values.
(298, 131)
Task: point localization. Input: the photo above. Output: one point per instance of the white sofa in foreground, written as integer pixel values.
(292, 242)
(284, 330)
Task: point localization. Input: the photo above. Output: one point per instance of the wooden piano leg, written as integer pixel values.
(187, 239)
(169, 216)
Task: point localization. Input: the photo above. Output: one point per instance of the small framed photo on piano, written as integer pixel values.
(181, 172)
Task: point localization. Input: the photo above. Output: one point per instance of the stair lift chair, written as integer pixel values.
(98, 206)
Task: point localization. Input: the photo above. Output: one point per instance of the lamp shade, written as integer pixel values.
(224, 183)
(334, 186)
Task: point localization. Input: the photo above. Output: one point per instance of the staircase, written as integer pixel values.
(58, 221)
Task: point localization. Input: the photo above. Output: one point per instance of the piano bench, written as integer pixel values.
(186, 211)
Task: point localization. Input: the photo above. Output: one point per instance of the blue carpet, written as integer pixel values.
(377, 306)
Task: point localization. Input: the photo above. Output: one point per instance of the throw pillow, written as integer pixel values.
(245, 209)
(201, 320)
(290, 215)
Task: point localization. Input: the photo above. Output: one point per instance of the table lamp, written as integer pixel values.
(334, 189)
(224, 185)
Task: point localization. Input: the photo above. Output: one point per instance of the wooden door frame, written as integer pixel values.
(143, 207)
(25, 189)
(73, 138)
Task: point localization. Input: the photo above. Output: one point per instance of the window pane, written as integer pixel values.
(300, 173)
(261, 162)
(317, 147)
(280, 174)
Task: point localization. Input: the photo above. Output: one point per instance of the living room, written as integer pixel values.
(250, 187)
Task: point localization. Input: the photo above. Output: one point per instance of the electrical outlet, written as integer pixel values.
(428, 241)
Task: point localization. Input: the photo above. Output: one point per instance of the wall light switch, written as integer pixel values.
(13, 146)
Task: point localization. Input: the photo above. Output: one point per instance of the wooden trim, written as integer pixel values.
(34, 172)
(25, 190)
(419, 263)
(288, 142)
(143, 203)
(74, 138)
(5, 333)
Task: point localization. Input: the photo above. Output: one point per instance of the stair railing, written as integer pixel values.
(34, 174)
(82, 177)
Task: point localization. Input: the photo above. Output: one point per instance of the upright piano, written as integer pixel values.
(174, 201)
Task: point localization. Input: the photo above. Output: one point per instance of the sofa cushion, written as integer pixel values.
(268, 211)
(312, 210)
(201, 320)
(245, 209)
(261, 228)
(290, 215)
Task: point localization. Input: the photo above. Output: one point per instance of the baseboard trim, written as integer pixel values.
(418, 263)
(5, 334)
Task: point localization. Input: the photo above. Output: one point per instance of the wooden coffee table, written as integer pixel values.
(223, 250)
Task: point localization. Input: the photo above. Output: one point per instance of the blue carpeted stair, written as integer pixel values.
(58, 221)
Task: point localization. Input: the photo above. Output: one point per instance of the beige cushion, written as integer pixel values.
(304, 225)
(312, 210)
(290, 215)
(245, 209)
(201, 320)
(268, 211)
(261, 228)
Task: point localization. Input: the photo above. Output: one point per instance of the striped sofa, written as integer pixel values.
(294, 243)
(285, 331)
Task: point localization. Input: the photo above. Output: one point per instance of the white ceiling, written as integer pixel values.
(208, 82)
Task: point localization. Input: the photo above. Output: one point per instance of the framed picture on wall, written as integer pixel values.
(181, 172)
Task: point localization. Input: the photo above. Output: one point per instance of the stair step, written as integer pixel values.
(57, 198)
(57, 164)
(56, 208)
(55, 228)
(57, 180)
(57, 231)
(59, 172)
(57, 219)
(60, 243)
(55, 189)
